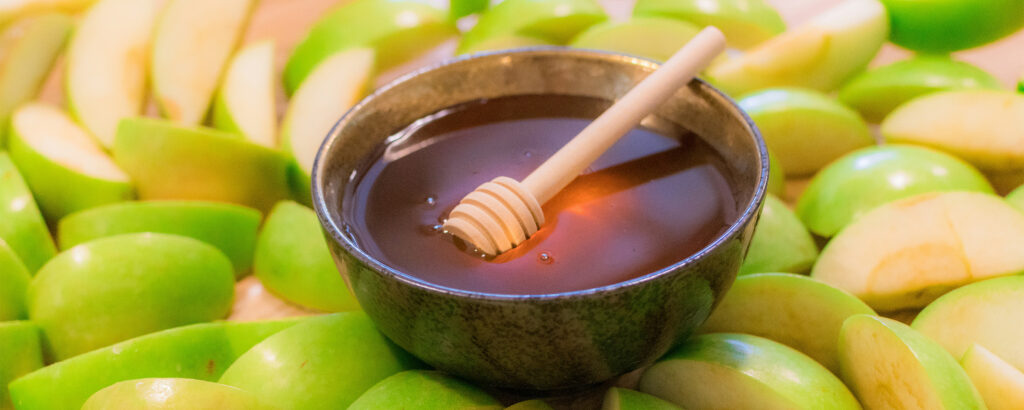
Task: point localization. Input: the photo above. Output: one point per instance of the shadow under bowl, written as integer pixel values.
(554, 341)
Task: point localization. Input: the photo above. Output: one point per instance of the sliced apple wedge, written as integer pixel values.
(1016, 198)
(781, 243)
(191, 46)
(11, 10)
(820, 54)
(245, 103)
(172, 393)
(906, 253)
(65, 168)
(23, 228)
(556, 21)
(28, 50)
(106, 64)
(746, 23)
(656, 38)
(20, 353)
(1000, 384)
(14, 279)
(618, 398)
(888, 365)
(334, 86)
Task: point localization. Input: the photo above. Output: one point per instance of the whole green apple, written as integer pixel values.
(293, 261)
(231, 228)
(14, 279)
(864, 179)
(941, 26)
(397, 30)
(555, 21)
(202, 351)
(746, 23)
(889, 365)
(806, 129)
(1016, 197)
(736, 371)
(780, 243)
(23, 227)
(649, 37)
(877, 92)
(1000, 384)
(20, 354)
(324, 363)
(116, 288)
(425, 390)
(172, 394)
(618, 398)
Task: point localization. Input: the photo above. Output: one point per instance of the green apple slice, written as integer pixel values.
(14, 279)
(201, 351)
(860, 181)
(746, 23)
(1000, 384)
(904, 254)
(618, 398)
(821, 54)
(649, 37)
(804, 128)
(172, 394)
(1016, 198)
(941, 26)
(23, 229)
(28, 50)
(776, 175)
(780, 243)
(246, 101)
(990, 118)
(325, 95)
(736, 371)
(463, 8)
(535, 404)
(877, 92)
(984, 313)
(11, 10)
(191, 45)
(65, 168)
(168, 161)
(397, 30)
(293, 261)
(20, 354)
(323, 363)
(556, 21)
(106, 64)
(889, 365)
(504, 43)
(794, 310)
(230, 228)
(425, 390)
(117, 288)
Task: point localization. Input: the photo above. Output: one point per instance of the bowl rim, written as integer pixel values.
(749, 214)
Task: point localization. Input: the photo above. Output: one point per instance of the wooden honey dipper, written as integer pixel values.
(503, 213)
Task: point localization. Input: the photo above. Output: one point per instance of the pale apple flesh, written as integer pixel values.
(246, 102)
(170, 394)
(1000, 384)
(889, 365)
(51, 133)
(106, 65)
(28, 51)
(191, 46)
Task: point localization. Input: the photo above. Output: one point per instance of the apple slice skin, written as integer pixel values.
(505, 42)
(14, 10)
(252, 68)
(324, 363)
(556, 21)
(202, 351)
(172, 394)
(379, 24)
(116, 288)
(618, 398)
(776, 175)
(14, 280)
(167, 161)
(1016, 198)
(20, 354)
(1000, 384)
(30, 49)
(231, 228)
(794, 310)
(875, 93)
(805, 129)
(942, 26)
(649, 37)
(293, 261)
(746, 23)
(781, 243)
(884, 361)
(23, 228)
(985, 313)
(860, 181)
(535, 404)
(425, 390)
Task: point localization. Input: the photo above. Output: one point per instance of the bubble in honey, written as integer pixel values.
(546, 258)
(430, 201)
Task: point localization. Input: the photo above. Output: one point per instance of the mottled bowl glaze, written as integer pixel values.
(552, 341)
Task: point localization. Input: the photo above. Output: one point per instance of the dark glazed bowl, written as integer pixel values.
(553, 341)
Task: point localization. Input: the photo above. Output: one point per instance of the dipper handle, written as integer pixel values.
(559, 170)
(503, 213)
